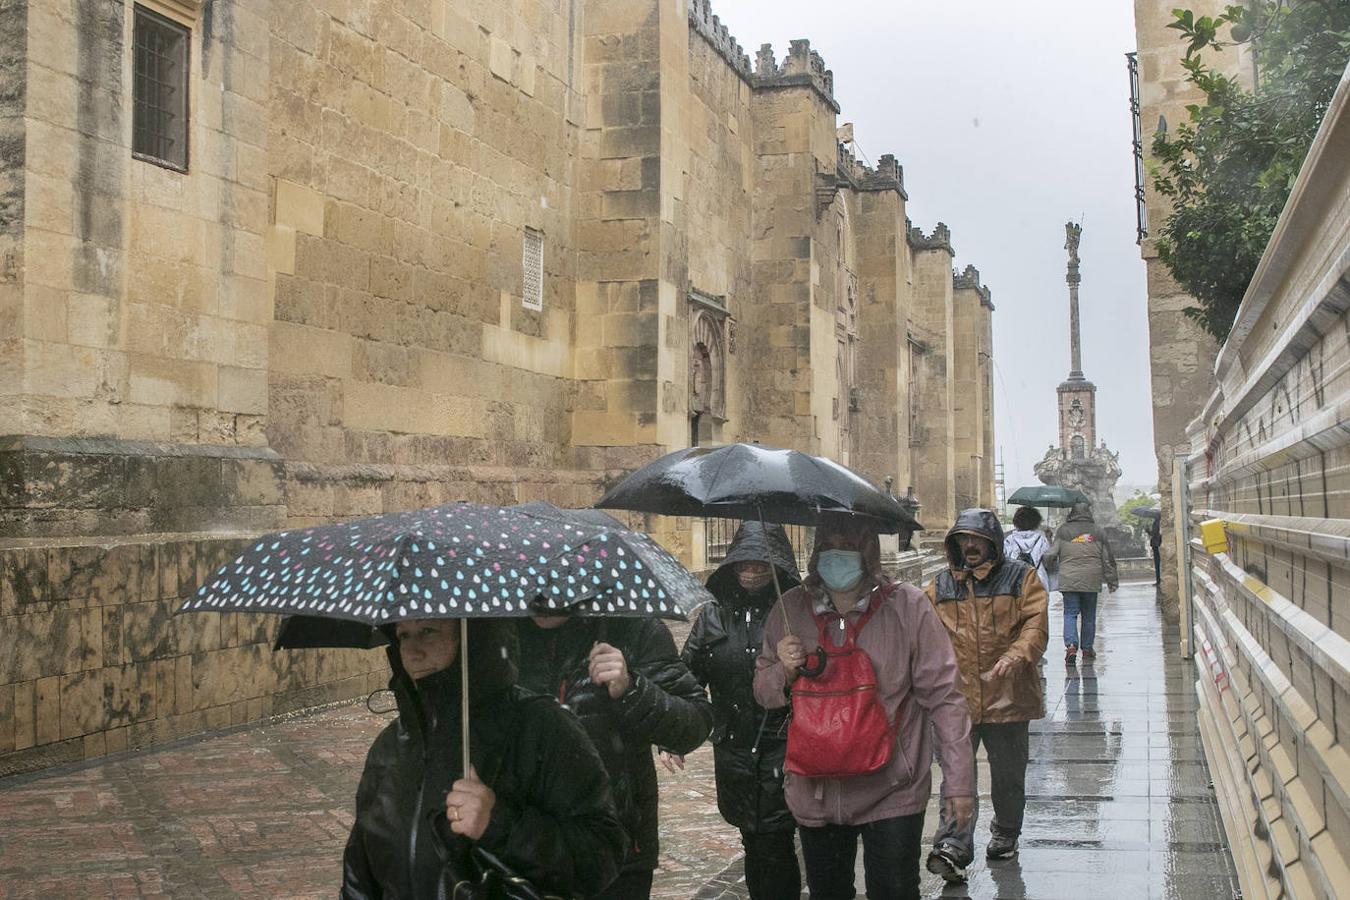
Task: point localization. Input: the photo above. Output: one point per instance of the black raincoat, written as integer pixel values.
(749, 742)
(553, 821)
(665, 706)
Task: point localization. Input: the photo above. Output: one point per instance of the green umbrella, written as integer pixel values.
(1047, 495)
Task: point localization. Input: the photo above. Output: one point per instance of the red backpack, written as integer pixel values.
(838, 725)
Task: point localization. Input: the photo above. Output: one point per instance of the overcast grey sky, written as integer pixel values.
(1009, 119)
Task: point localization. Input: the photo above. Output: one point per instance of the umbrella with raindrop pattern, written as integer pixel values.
(461, 560)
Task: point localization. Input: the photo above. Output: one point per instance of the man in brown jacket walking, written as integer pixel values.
(994, 611)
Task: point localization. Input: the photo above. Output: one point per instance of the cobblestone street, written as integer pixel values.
(1119, 805)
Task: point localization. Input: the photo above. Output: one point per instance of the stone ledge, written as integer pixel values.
(63, 486)
(108, 446)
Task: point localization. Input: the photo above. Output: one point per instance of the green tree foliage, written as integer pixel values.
(1229, 168)
(1139, 500)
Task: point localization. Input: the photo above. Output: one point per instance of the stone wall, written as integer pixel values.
(1181, 355)
(409, 151)
(934, 460)
(881, 439)
(970, 380)
(1271, 609)
(328, 314)
(96, 662)
(136, 311)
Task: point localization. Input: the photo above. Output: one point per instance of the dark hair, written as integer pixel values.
(1027, 518)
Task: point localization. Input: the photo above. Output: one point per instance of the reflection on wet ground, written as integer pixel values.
(1119, 801)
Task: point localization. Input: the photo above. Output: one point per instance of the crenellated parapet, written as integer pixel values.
(888, 175)
(969, 280)
(802, 67)
(705, 23)
(940, 239)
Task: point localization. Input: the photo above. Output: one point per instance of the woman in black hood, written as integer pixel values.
(535, 805)
(749, 742)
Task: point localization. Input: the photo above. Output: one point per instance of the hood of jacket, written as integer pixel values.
(1080, 512)
(981, 523)
(755, 542)
(1079, 522)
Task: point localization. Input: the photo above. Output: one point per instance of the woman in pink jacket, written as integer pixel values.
(917, 686)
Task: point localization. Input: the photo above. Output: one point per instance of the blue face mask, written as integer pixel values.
(840, 569)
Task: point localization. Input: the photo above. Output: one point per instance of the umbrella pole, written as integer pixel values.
(464, 690)
(777, 590)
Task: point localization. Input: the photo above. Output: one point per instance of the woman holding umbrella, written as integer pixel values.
(849, 605)
(749, 741)
(534, 805)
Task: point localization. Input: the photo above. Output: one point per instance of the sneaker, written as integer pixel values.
(1089, 654)
(1070, 654)
(1001, 846)
(942, 861)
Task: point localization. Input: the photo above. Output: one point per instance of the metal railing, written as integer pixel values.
(1140, 208)
(718, 534)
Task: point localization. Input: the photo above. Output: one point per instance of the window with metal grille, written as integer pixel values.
(533, 264)
(159, 91)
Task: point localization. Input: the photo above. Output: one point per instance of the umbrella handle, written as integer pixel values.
(815, 663)
(464, 691)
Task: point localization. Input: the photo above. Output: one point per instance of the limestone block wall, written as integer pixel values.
(934, 457)
(95, 662)
(410, 150)
(991, 453)
(1271, 610)
(881, 423)
(716, 210)
(968, 379)
(798, 254)
(1181, 355)
(13, 99)
(135, 305)
(619, 236)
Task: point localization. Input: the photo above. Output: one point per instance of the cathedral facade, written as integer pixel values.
(269, 264)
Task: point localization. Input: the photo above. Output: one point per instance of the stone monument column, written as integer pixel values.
(1073, 233)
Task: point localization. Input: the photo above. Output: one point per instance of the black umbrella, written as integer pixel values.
(750, 481)
(1047, 495)
(1146, 512)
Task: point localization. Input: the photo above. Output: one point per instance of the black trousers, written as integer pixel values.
(631, 885)
(771, 870)
(890, 858)
(1007, 744)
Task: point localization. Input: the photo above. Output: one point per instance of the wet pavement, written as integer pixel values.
(1119, 803)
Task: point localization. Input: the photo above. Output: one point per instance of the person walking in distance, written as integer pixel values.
(994, 609)
(1084, 561)
(1027, 543)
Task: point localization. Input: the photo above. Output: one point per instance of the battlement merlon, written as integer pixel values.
(705, 23)
(969, 280)
(888, 175)
(802, 67)
(940, 239)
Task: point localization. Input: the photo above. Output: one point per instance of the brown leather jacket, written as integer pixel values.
(996, 610)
